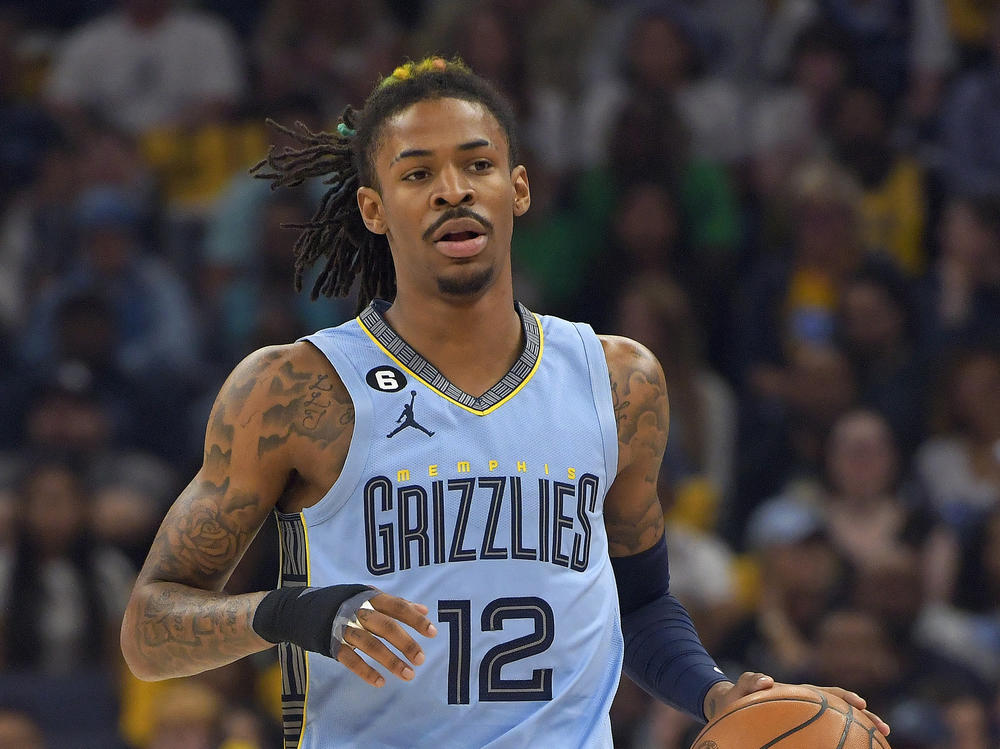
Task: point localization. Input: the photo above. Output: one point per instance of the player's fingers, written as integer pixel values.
(857, 701)
(389, 629)
(750, 682)
(357, 665)
(372, 646)
(880, 724)
(402, 610)
(851, 698)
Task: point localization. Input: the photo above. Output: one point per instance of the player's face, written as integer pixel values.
(447, 198)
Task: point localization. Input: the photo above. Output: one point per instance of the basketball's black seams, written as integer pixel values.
(851, 723)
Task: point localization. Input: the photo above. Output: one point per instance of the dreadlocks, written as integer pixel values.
(346, 158)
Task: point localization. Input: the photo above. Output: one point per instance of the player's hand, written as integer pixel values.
(723, 694)
(855, 700)
(382, 624)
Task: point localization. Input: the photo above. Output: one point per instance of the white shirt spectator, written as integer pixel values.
(140, 78)
(943, 465)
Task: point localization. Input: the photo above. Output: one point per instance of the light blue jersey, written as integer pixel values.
(489, 511)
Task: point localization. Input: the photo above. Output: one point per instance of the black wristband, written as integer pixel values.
(304, 616)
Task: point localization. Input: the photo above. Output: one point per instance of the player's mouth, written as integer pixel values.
(462, 237)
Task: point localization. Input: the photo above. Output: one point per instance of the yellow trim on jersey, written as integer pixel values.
(305, 534)
(477, 412)
(305, 653)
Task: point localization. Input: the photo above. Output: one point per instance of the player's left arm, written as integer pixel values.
(662, 650)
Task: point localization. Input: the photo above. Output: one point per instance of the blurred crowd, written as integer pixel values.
(794, 203)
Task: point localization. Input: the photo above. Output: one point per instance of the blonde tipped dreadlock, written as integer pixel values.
(346, 159)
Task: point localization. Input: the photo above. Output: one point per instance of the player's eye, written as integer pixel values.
(481, 165)
(416, 175)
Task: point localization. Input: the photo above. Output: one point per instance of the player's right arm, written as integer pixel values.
(282, 412)
(178, 620)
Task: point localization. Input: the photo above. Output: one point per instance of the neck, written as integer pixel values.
(472, 342)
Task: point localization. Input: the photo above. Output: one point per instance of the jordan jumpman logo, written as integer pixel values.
(406, 419)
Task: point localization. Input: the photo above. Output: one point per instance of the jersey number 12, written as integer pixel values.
(457, 614)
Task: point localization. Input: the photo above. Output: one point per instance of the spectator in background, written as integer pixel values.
(969, 721)
(800, 578)
(876, 328)
(733, 33)
(38, 233)
(966, 627)
(782, 137)
(960, 465)
(969, 22)
(696, 473)
(84, 362)
(816, 67)
(896, 590)
(319, 48)
(235, 223)
(662, 57)
(19, 731)
(971, 117)
(893, 210)
(919, 724)
(484, 33)
(25, 128)
(188, 716)
(153, 313)
(978, 588)
(61, 595)
(557, 242)
(782, 442)
(901, 48)
(259, 305)
(645, 241)
(853, 647)
(63, 420)
(959, 297)
(649, 154)
(556, 52)
(656, 312)
(866, 515)
(791, 300)
(148, 64)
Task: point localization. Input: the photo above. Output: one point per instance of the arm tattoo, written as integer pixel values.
(184, 624)
(187, 631)
(307, 405)
(179, 618)
(639, 396)
(640, 411)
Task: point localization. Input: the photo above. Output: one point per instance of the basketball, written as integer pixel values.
(796, 717)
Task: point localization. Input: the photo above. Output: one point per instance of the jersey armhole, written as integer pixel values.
(357, 452)
(600, 383)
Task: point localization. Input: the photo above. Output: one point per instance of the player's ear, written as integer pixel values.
(370, 205)
(522, 193)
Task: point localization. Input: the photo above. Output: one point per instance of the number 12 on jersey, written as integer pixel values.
(457, 614)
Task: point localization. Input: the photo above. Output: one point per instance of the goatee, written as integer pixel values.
(468, 284)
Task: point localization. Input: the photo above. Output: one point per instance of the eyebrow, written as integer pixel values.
(411, 153)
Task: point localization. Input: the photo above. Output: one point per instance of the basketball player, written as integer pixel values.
(475, 571)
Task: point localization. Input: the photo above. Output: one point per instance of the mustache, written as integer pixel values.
(459, 211)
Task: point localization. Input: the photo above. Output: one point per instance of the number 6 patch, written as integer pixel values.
(385, 379)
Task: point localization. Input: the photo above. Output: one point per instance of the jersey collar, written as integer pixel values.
(373, 322)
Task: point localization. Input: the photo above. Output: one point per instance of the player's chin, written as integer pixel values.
(466, 280)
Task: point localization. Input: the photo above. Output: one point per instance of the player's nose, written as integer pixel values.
(452, 188)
